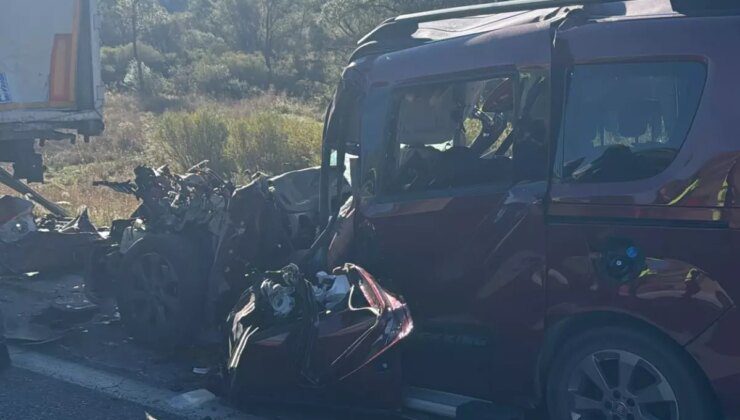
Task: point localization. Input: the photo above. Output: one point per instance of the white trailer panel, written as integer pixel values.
(49, 67)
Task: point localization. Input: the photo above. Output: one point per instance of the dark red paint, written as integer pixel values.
(517, 264)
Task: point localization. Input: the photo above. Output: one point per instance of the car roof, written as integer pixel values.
(450, 28)
(517, 38)
(442, 24)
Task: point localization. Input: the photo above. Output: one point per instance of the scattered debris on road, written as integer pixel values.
(48, 243)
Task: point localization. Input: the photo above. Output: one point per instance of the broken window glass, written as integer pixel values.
(469, 133)
(444, 135)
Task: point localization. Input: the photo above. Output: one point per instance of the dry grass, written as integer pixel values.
(72, 188)
(127, 130)
(130, 140)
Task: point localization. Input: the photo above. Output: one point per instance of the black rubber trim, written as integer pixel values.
(642, 222)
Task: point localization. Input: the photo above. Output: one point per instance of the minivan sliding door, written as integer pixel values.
(457, 226)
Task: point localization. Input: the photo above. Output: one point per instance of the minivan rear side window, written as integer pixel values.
(625, 122)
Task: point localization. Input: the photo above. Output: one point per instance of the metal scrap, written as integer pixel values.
(330, 290)
(16, 219)
(172, 202)
(8, 179)
(49, 243)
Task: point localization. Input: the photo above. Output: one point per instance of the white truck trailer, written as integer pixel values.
(50, 83)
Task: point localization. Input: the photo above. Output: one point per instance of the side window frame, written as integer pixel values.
(382, 193)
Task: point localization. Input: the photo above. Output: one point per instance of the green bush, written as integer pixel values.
(195, 42)
(248, 68)
(233, 74)
(242, 139)
(274, 143)
(189, 138)
(210, 77)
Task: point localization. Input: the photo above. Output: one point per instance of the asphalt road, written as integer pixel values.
(29, 396)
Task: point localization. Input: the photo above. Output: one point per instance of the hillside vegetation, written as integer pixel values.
(239, 48)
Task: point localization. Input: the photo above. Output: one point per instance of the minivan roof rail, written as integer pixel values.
(406, 25)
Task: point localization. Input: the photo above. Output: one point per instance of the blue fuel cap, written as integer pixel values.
(632, 252)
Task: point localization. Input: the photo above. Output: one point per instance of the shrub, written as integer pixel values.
(195, 42)
(210, 77)
(189, 138)
(274, 143)
(234, 75)
(248, 68)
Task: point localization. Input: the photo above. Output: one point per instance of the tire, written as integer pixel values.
(161, 290)
(585, 379)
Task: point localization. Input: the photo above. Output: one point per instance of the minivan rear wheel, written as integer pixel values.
(617, 373)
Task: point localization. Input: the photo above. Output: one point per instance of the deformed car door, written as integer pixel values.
(468, 257)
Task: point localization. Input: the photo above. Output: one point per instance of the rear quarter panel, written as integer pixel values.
(684, 221)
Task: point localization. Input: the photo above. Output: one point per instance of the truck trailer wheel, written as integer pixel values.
(161, 289)
(617, 373)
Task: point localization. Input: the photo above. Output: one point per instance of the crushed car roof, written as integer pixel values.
(409, 31)
(521, 45)
(520, 38)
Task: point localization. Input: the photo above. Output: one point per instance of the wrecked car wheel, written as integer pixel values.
(161, 289)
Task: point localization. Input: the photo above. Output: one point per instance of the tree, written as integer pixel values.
(257, 25)
(293, 46)
(139, 14)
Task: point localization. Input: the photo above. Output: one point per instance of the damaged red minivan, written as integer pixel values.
(547, 187)
(553, 192)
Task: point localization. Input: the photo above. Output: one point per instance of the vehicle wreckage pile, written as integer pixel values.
(202, 258)
(51, 242)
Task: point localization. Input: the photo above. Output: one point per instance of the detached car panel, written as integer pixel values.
(285, 341)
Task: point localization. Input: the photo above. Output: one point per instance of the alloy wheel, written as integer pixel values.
(620, 385)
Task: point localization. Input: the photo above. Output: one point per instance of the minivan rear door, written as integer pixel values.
(636, 219)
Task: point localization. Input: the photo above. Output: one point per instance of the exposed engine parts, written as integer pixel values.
(237, 233)
(170, 202)
(281, 296)
(330, 290)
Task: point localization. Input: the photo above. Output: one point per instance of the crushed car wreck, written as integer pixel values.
(197, 243)
(179, 264)
(524, 178)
